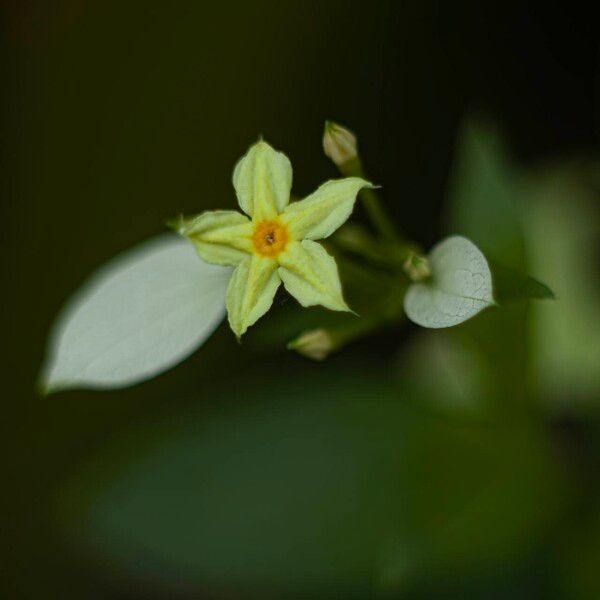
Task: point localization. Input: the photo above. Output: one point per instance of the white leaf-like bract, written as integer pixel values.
(140, 314)
(460, 286)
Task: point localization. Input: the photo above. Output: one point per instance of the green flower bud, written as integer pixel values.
(339, 143)
(417, 267)
(316, 344)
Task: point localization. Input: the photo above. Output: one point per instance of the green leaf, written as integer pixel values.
(563, 236)
(447, 374)
(310, 483)
(511, 285)
(486, 194)
(140, 314)
(277, 487)
(485, 200)
(460, 286)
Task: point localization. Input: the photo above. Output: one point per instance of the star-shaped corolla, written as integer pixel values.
(277, 243)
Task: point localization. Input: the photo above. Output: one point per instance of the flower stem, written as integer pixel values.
(376, 212)
(378, 215)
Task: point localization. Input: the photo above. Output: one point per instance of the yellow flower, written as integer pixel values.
(276, 244)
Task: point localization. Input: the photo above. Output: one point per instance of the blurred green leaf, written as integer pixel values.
(460, 286)
(563, 233)
(315, 483)
(485, 194)
(286, 491)
(479, 496)
(446, 373)
(140, 314)
(485, 200)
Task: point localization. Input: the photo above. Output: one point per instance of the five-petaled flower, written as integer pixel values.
(277, 243)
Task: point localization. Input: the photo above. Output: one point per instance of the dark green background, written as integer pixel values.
(118, 115)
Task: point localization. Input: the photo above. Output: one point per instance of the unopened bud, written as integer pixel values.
(339, 143)
(417, 267)
(315, 344)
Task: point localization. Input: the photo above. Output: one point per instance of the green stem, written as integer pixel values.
(378, 215)
(355, 240)
(374, 208)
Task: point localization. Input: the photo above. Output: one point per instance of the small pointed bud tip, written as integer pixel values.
(339, 143)
(417, 267)
(238, 332)
(316, 344)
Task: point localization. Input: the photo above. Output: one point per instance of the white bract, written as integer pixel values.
(141, 313)
(460, 286)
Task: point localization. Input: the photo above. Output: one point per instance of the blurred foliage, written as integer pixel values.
(484, 199)
(319, 486)
(485, 194)
(563, 226)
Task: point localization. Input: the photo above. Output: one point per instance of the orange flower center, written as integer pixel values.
(270, 237)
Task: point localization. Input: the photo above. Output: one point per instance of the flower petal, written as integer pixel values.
(311, 276)
(321, 213)
(251, 292)
(221, 237)
(263, 180)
